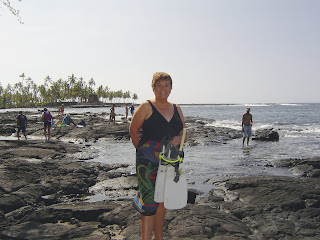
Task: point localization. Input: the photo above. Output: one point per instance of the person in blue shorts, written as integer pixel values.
(127, 111)
(160, 121)
(246, 126)
(132, 109)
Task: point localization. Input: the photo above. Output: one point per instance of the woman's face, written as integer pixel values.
(162, 89)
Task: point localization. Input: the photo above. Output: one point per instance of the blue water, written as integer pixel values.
(297, 124)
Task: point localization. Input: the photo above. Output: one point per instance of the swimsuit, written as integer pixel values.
(156, 129)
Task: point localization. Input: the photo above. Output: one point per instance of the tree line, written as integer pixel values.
(27, 93)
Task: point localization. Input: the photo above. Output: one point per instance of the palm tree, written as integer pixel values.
(66, 90)
(118, 95)
(56, 91)
(110, 95)
(91, 85)
(72, 80)
(7, 100)
(78, 89)
(134, 97)
(47, 81)
(22, 76)
(85, 91)
(35, 91)
(100, 91)
(126, 95)
(27, 94)
(43, 93)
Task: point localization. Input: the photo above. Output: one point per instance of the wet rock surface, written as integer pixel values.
(45, 192)
(201, 132)
(266, 135)
(271, 207)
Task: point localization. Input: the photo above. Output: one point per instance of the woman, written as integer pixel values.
(160, 121)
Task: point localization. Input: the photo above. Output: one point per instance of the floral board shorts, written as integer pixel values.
(147, 163)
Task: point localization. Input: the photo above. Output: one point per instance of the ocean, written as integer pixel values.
(297, 124)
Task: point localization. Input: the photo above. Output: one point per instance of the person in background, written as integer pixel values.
(112, 117)
(67, 120)
(159, 120)
(22, 122)
(46, 119)
(127, 111)
(61, 110)
(132, 109)
(246, 126)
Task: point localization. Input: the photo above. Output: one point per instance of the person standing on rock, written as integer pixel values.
(127, 111)
(132, 109)
(112, 117)
(246, 126)
(159, 120)
(61, 110)
(22, 122)
(46, 118)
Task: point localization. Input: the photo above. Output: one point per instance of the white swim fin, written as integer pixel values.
(175, 193)
(160, 181)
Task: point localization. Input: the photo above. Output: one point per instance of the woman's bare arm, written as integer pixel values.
(141, 114)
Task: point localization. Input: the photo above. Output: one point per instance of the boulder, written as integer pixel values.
(266, 135)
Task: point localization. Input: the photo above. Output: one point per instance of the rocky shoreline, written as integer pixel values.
(44, 190)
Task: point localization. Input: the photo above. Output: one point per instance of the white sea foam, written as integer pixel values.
(312, 129)
(259, 126)
(226, 123)
(289, 104)
(257, 105)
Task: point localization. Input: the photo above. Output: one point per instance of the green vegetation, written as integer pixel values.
(28, 94)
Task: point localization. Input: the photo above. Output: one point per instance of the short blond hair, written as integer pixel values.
(160, 76)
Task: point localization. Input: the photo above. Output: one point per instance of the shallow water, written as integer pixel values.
(204, 164)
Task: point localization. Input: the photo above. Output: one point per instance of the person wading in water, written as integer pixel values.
(246, 126)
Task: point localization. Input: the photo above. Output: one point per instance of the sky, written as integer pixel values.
(216, 51)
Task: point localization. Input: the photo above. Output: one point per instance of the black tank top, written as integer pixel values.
(157, 128)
